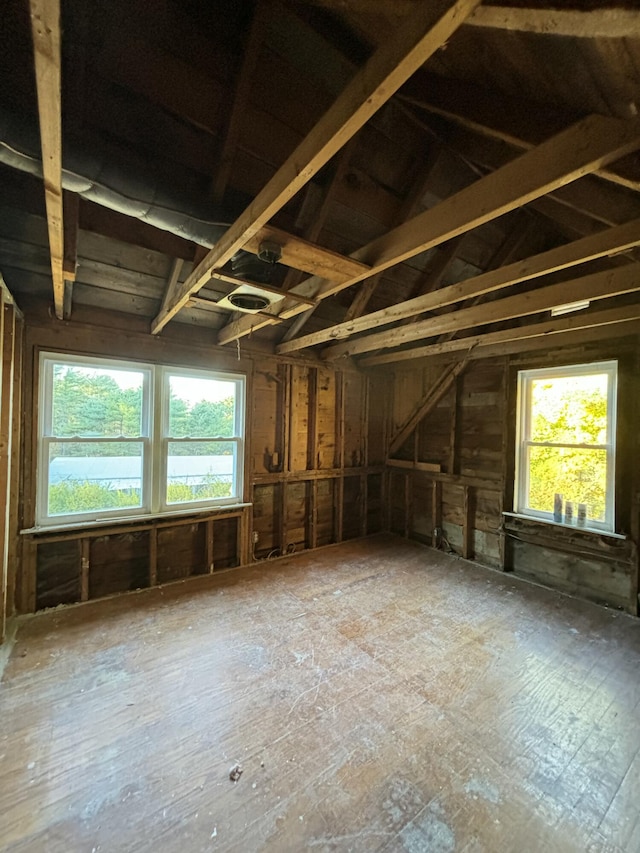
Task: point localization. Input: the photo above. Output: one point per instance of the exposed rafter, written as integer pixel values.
(574, 23)
(240, 99)
(580, 149)
(45, 29)
(596, 286)
(594, 23)
(474, 345)
(407, 210)
(514, 121)
(399, 57)
(608, 242)
(314, 230)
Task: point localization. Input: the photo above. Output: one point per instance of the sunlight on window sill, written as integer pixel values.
(559, 524)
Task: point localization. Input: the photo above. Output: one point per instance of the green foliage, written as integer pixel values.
(88, 403)
(569, 411)
(83, 496)
(91, 404)
(71, 496)
(213, 487)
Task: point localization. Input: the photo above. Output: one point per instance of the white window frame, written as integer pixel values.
(154, 439)
(524, 442)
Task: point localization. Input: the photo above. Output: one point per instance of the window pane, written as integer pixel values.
(200, 470)
(94, 402)
(570, 409)
(578, 475)
(200, 408)
(92, 477)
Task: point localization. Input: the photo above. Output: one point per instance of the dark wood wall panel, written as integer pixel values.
(181, 552)
(461, 456)
(118, 563)
(225, 544)
(57, 574)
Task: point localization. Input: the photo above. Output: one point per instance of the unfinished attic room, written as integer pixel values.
(319, 426)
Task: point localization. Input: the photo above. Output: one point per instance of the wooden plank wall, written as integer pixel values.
(452, 479)
(314, 466)
(10, 424)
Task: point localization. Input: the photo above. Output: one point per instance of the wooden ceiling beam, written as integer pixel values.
(314, 230)
(599, 245)
(308, 257)
(580, 149)
(398, 58)
(608, 23)
(240, 98)
(407, 210)
(599, 285)
(515, 121)
(45, 29)
(600, 200)
(509, 340)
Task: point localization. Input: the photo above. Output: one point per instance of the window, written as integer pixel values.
(565, 452)
(124, 439)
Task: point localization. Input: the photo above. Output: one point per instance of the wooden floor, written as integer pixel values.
(378, 695)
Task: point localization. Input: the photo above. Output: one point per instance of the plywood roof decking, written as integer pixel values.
(212, 100)
(377, 695)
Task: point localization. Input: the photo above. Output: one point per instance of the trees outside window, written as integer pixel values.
(566, 443)
(121, 438)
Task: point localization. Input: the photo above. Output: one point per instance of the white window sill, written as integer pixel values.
(133, 519)
(574, 527)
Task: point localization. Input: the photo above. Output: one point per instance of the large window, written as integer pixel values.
(121, 438)
(565, 453)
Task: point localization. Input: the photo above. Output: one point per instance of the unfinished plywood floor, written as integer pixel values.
(378, 695)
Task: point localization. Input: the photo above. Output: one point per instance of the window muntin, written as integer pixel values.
(120, 438)
(566, 441)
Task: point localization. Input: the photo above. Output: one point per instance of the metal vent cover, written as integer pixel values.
(250, 299)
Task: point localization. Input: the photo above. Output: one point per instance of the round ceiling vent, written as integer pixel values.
(248, 301)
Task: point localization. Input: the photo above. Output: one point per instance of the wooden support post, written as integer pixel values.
(339, 519)
(386, 494)
(15, 540)
(408, 506)
(468, 516)
(29, 578)
(312, 420)
(7, 327)
(283, 518)
(436, 512)
(209, 535)
(153, 556)
(241, 535)
(364, 494)
(85, 566)
(453, 431)
(313, 533)
(339, 463)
